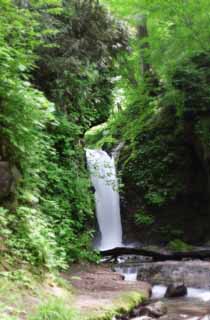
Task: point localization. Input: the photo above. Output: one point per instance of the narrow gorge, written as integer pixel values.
(104, 160)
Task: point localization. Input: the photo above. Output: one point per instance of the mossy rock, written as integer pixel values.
(94, 135)
(122, 305)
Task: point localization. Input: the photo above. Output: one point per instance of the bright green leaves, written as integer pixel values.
(177, 29)
(52, 208)
(127, 9)
(68, 50)
(25, 115)
(18, 25)
(143, 218)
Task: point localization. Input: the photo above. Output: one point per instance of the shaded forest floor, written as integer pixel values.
(88, 290)
(97, 288)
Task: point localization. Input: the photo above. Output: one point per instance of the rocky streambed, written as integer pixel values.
(193, 275)
(103, 294)
(170, 309)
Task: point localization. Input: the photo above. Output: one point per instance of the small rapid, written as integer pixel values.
(159, 291)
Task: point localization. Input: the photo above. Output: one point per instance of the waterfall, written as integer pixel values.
(104, 180)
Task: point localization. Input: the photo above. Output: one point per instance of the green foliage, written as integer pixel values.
(47, 218)
(192, 79)
(55, 309)
(79, 65)
(79, 62)
(34, 240)
(143, 218)
(24, 114)
(154, 158)
(203, 131)
(95, 134)
(65, 67)
(5, 232)
(179, 246)
(176, 30)
(164, 123)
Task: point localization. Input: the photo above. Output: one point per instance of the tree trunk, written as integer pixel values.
(143, 35)
(150, 78)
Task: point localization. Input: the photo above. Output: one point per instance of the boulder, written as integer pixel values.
(135, 312)
(176, 290)
(193, 273)
(156, 310)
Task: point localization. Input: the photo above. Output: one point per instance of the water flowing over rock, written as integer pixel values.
(192, 273)
(174, 291)
(104, 180)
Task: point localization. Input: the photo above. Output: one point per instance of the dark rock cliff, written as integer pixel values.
(166, 192)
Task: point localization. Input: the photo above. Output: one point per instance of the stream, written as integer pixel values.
(194, 306)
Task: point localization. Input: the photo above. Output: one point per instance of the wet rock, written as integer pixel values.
(125, 318)
(135, 312)
(143, 318)
(154, 310)
(193, 273)
(176, 290)
(157, 309)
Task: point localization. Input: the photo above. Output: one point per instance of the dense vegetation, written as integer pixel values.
(55, 82)
(67, 66)
(164, 122)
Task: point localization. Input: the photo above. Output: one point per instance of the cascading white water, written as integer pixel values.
(129, 273)
(104, 180)
(159, 291)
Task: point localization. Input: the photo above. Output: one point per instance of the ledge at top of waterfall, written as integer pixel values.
(104, 179)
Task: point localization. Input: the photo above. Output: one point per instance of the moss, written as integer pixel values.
(94, 135)
(179, 246)
(100, 137)
(122, 305)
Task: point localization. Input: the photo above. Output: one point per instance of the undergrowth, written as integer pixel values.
(55, 309)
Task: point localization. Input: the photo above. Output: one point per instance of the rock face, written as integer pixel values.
(174, 291)
(183, 151)
(6, 179)
(156, 309)
(192, 273)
